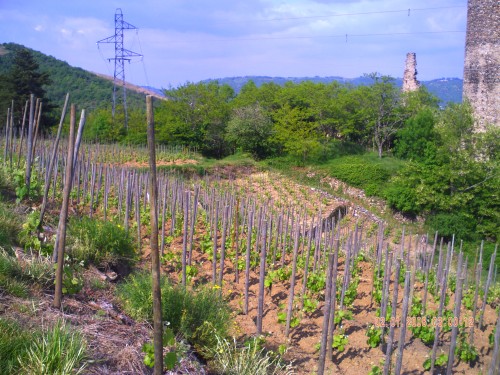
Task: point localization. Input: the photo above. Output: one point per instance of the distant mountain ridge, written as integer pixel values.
(446, 89)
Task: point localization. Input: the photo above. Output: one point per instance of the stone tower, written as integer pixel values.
(410, 82)
(482, 61)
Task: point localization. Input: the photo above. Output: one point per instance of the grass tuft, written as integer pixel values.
(15, 277)
(14, 344)
(10, 226)
(56, 351)
(52, 351)
(229, 359)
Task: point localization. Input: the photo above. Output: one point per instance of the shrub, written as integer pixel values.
(454, 223)
(99, 242)
(229, 359)
(402, 197)
(417, 139)
(196, 315)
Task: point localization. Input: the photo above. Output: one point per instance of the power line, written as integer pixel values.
(408, 11)
(316, 36)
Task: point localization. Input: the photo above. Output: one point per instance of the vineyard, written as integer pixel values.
(323, 284)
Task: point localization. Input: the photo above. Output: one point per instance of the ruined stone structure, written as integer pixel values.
(482, 61)
(410, 82)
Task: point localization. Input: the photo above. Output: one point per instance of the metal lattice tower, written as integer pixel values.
(121, 55)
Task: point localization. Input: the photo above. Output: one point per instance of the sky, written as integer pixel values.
(191, 40)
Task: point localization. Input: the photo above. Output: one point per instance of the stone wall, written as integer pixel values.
(410, 82)
(482, 61)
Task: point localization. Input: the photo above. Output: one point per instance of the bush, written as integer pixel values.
(402, 197)
(454, 223)
(417, 139)
(99, 242)
(196, 315)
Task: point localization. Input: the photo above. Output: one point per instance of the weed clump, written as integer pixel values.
(57, 350)
(99, 242)
(197, 315)
(230, 359)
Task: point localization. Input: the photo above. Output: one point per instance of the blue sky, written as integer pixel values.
(191, 40)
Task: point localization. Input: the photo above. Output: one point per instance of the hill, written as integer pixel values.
(87, 89)
(446, 89)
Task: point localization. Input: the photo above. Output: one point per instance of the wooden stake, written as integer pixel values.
(61, 232)
(404, 314)
(155, 254)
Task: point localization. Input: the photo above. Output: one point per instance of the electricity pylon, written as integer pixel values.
(121, 55)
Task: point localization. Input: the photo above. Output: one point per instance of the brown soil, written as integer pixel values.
(358, 356)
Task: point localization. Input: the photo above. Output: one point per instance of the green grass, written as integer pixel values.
(52, 351)
(207, 165)
(10, 225)
(197, 315)
(56, 351)
(11, 275)
(14, 344)
(229, 359)
(99, 242)
(15, 278)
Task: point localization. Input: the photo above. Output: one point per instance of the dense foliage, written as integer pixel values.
(453, 175)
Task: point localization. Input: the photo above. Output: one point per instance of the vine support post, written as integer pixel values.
(155, 255)
(63, 216)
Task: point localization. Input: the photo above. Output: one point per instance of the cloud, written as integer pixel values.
(189, 41)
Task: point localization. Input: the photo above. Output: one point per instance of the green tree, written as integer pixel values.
(23, 79)
(251, 128)
(417, 139)
(101, 127)
(196, 115)
(382, 110)
(458, 190)
(298, 136)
